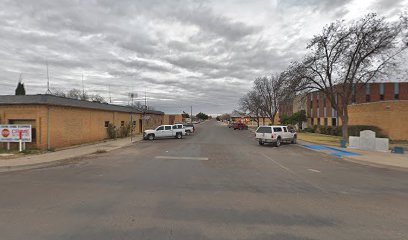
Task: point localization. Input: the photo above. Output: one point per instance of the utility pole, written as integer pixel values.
(83, 88)
(191, 114)
(48, 81)
(109, 92)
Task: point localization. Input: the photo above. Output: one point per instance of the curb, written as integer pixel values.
(6, 169)
(376, 165)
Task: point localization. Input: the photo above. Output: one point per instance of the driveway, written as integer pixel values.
(217, 184)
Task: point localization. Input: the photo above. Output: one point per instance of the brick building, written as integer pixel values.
(59, 122)
(320, 112)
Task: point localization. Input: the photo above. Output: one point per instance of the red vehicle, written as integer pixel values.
(240, 126)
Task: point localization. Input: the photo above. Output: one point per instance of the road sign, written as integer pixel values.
(15, 132)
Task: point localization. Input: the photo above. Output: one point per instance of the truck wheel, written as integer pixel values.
(278, 142)
(294, 140)
(179, 135)
(261, 142)
(150, 137)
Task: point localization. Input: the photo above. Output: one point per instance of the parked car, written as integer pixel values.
(240, 126)
(230, 124)
(275, 135)
(188, 127)
(164, 131)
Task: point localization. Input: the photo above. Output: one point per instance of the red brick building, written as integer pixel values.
(320, 112)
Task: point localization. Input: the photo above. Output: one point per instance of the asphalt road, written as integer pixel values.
(167, 189)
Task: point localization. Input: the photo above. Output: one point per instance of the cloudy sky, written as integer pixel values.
(181, 53)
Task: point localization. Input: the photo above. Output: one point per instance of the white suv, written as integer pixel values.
(275, 134)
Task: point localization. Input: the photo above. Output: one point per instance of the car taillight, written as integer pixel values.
(273, 135)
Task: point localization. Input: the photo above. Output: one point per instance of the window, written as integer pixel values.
(264, 130)
(325, 122)
(368, 98)
(367, 89)
(277, 129)
(353, 94)
(353, 98)
(134, 123)
(367, 92)
(318, 121)
(106, 124)
(122, 123)
(382, 91)
(167, 127)
(160, 128)
(312, 121)
(396, 91)
(285, 129)
(334, 122)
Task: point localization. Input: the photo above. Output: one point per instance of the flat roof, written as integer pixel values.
(51, 100)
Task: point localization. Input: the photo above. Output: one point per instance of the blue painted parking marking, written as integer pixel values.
(335, 152)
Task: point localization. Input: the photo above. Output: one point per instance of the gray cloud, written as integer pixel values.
(181, 52)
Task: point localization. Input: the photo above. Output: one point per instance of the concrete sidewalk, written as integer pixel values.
(370, 158)
(52, 158)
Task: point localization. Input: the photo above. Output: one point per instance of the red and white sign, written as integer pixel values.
(15, 132)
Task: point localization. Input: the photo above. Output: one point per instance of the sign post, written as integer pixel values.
(20, 141)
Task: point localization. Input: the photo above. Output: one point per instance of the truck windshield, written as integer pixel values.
(264, 130)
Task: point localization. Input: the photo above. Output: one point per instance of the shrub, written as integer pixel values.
(112, 132)
(310, 130)
(314, 128)
(124, 131)
(354, 130)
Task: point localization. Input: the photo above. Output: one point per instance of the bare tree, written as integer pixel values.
(343, 56)
(251, 103)
(97, 98)
(272, 91)
(58, 92)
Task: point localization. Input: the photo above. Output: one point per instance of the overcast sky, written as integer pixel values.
(200, 53)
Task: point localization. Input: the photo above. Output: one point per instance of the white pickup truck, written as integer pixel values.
(275, 134)
(164, 131)
(187, 126)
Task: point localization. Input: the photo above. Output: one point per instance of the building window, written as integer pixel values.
(122, 123)
(318, 121)
(396, 91)
(134, 123)
(334, 122)
(106, 124)
(325, 122)
(312, 122)
(367, 89)
(382, 86)
(368, 98)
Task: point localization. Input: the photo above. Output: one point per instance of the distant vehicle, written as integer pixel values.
(230, 124)
(164, 131)
(240, 126)
(275, 134)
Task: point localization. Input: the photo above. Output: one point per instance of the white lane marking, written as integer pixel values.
(293, 173)
(313, 170)
(182, 158)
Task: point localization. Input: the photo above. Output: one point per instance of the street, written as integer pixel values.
(217, 184)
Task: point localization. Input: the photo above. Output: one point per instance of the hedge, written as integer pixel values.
(353, 130)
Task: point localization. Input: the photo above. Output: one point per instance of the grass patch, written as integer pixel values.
(320, 139)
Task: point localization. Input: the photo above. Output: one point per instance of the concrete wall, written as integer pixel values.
(71, 126)
(390, 116)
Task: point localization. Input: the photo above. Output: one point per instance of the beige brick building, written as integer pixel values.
(59, 122)
(390, 116)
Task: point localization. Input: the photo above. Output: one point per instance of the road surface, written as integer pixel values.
(217, 184)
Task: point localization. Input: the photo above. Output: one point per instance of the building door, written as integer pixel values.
(140, 125)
